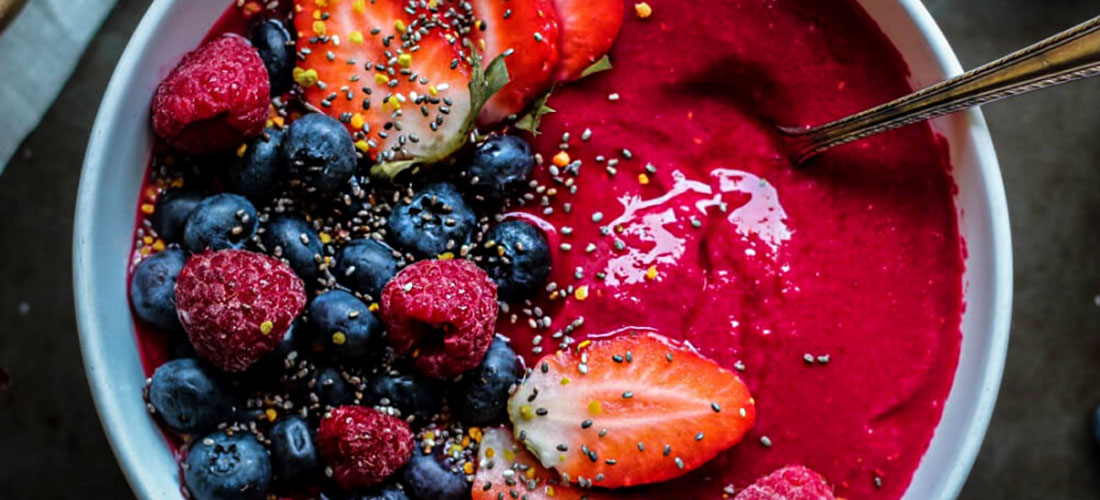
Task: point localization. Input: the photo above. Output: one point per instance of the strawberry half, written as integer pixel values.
(632, 410)
(505, 470)
(400, 81)
(526, 32)
(588, 29)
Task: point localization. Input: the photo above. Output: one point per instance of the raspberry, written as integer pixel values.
(443, 309)
(793, 482)
(216, 97)
(363, 446)
(237, 305)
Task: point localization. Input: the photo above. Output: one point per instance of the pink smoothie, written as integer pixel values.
(836, 288)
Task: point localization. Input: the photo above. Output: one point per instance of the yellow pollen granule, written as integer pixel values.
(399, 25)
(549, 490)
(373, 307)
(526, 412)
(381, 78)
(531, 473)
(355, 37)
(584, 344)
(319, 28)
(241, 150)
(339, 338)
(325, 237)
(594, 407)
(405, 60)
(148, 240)
(359, 6)
(468, 467)
(305, 77)
(581, 293)
(271, 414)
(509, 455)
(394, 102)
(158, 245)
(565, 381)
(362, 145)
(433, 91)
(643, 179)
(475, 434)
(561, 159)
(357, 121)
(147, 208)
(490, 452)
(321, 3)
(446, 256)
(651, 273)
(266, 327)
(643, 10)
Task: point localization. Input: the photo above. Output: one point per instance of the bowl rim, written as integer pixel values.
(97, 357)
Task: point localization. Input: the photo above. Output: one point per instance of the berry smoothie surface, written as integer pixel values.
(834, 290)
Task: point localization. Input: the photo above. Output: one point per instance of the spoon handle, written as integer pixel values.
(1067, 56)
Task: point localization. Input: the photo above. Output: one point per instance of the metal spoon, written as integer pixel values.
(1070, 55)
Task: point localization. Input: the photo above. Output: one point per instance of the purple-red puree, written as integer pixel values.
(835, 289)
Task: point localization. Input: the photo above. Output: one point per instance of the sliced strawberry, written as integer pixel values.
(399, 81)
(793, 482)
(588, 29)
(505, 470)
(526, 31)
(632, 410)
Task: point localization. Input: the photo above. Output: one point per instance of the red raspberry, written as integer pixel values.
(216, 97)
(363, 446)
(445, 310)
(793, 482)
(237, 305)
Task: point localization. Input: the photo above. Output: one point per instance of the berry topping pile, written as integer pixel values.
(330, 236)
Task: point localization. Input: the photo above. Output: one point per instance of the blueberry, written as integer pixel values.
(1096, 426)
(153, 288)
(171, 211)
(276, 48)
(481, 396)
(227, 467)
(255, 174)
(435, 221)
(219, 222)
(521, 269)
(318, 152)
(365, 266)
(426, 477)
(293, 239)
(499, 167)
(344, 325)
(190, 396)
(293, 450)
(387, 492)
(330, 388)
(413, 395)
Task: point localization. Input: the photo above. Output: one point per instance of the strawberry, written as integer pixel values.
(588, 29)
(506, 470)
(526, 32)
(401, 80)
(632, 410)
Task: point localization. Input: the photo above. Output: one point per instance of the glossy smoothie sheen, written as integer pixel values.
(835, 287)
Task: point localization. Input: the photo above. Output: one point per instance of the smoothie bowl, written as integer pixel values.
(536, 249)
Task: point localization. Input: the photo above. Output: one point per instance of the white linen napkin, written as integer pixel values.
(38, 52)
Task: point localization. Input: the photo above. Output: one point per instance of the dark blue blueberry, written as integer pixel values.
(436, 220)
(499, 168)
(413, 395)
(481, 396)
(221, 221)
(521, 268)
(365, 266)
(344, 325)
(427, 477)
(387, 492)
(171, 212)
(190, 396)
(227, 467)
(293, 450)
(319, 153)
(293, 239)
(153, 288)
(329, 386)
(276, 47)
(255, 174)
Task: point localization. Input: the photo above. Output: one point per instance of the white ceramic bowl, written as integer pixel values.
(119, 150)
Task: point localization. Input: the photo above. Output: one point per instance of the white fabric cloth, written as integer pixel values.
(38, 52)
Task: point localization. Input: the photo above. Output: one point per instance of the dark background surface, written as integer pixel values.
(1038, 446)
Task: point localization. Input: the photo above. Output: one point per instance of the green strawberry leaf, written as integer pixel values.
(530, 121)
(484, 83)
(603, 64)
